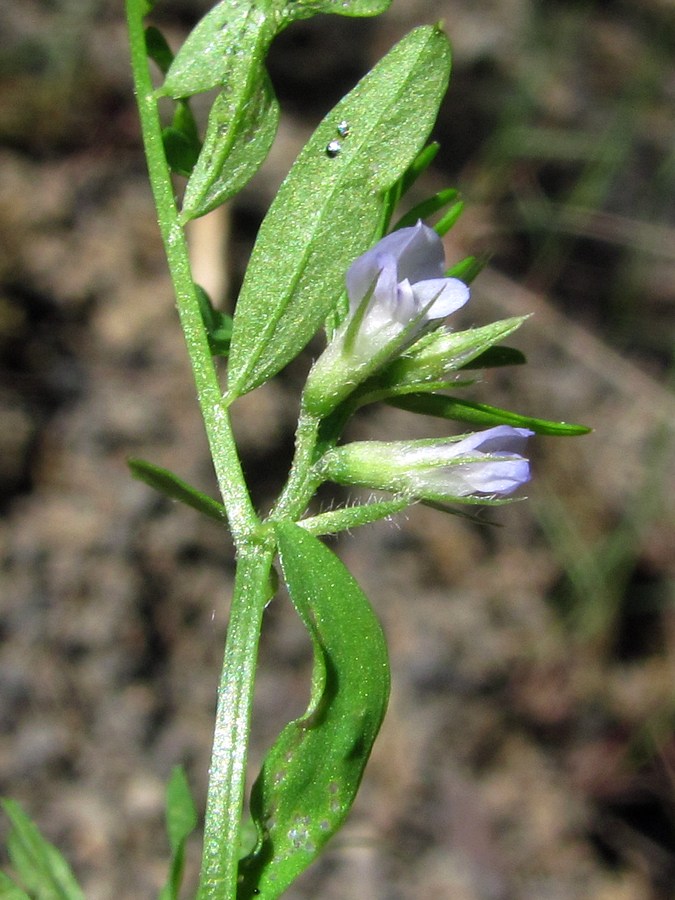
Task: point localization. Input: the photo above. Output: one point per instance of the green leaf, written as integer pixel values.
(181, 140)
(218, 324)
(228, 41)
(172, 486)
(353, 516)
(181, 152)
(496, 357)
(40, 867)
(9, 890)
(443, 226)
(302, 9)
(330, 210)
(468, 269)
(241, 128)
(419, 165)
(181, 813)
(157, 49)
(310, 776)
(227, 49)
(235, 36)
(426, 208)
(445, 407)
(439, 353)
(181, 821)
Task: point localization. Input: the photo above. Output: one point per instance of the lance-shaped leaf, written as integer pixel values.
(427, 208)
(310, 776)
(230, 39)
(496, 357)
(330, 208)
(227, 49)
(241, 128)
(41, 868)
(442, 352)
(419, 165)
(303, 9)
(218, 324)
(235, 36)
(9, 890)
(166, 482)
(181, 821)
(445, 407)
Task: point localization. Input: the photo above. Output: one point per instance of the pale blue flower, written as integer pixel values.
(487, 464)
(396, 292)
(402, 285)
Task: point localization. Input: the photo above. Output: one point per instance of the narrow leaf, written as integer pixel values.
(352, 516)
(426, 208)
(310, 776)
(419, 165)
(181, 814)
(441, 352)
(234, 36)
(227, 49)
(157, 49)
(218, 324)
(302, 9)
(240, 131)
(41, 868)
(443, 226)
(228, 41)
(172, 486)
(181, 821)
(9, 890)
(496, 357)
(445, 407)
(468, 269)
(330, 207)
(181, 152)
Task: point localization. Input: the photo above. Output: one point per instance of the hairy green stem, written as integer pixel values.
(227, 777)
(251, 591)
(302, 481)
(336, 520)
(241, 515)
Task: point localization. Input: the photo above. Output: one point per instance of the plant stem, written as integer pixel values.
(255, 551)
(241, 515)
(302, 482)
(227, 775)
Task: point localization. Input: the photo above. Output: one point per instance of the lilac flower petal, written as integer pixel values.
(422, 257)
(497, 476)
(361, 275)
(363, 270)
(418, 252)
(405, 306)
(500, 439)
(450, 293)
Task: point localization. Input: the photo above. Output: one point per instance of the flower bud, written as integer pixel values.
(486, 464)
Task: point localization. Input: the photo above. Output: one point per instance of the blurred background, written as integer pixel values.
(529, 750)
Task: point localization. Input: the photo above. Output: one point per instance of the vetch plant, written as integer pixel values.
(326, 256)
